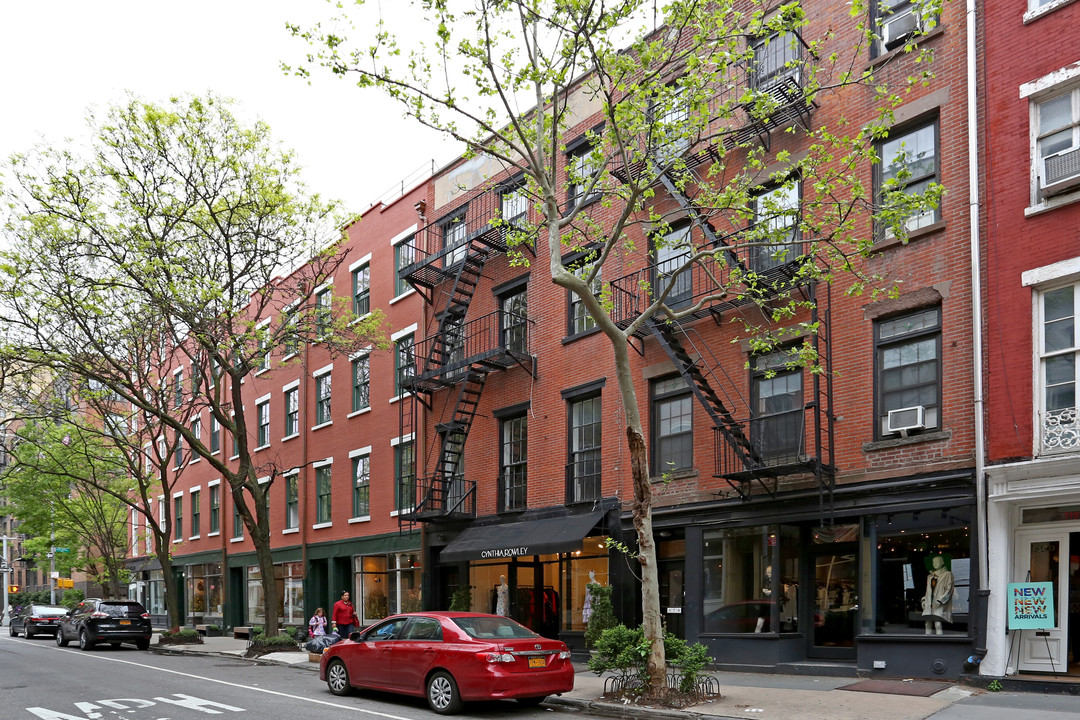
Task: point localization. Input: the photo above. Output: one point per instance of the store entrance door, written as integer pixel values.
(1042, 556)
(834, 604)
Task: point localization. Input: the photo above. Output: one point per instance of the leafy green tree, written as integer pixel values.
(666, 94)
(179, 238)
(56, 486)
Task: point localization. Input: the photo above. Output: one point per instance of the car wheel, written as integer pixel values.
(337, 678)
(61, 641)
(28, 633)
(84, 641)
(532, 701)
(442, 694)
(143, 643)
(11, 631)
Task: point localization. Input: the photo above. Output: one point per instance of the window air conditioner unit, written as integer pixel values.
(896, 28)
(906, 419)
(1061, 171)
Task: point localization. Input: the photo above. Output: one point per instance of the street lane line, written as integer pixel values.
(88, 656)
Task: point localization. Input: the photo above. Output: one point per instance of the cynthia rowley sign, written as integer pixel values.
(1031, 606)
(505, 552)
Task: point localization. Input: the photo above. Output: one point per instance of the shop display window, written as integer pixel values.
(202, 592)
(739, 580)
(290, 586)
(386, 584)
(923, 572)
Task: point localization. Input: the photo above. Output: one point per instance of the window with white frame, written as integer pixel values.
(404, 256)
(215, 435)
(361, 290)
(514, 204)
(323, 493)
(404, 476)
(262, 410)
(322, 399)
(178, 388)
(237, 522)
(292, 501)
(1059, 353)
(361, 493)
(196, 513)
(360, 383)
(292, 411)
(215, 509)
(1057, 143)
(290, 333)
(775, 235)
(324, 311)
(263, 335)
(178, 517)
(455, 231)
(404, 364)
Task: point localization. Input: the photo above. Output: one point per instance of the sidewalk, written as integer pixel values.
(745, 695)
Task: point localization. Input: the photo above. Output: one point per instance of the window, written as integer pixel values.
(909, 367)
(775, 235)
(404, 256)
(324, 310)
(672, 425)
(895, 22)
(361, 290)
(514, 205)
(404, 476)
(196, 432)
(514, 316)
(215, 509)
(263, 333)
(215, 372)
(454, 234)
(215, 435)
(360, 383)
(235, 444)
(582, 165)
(742, 589)
(237, 522)
(322, 399)
(1057, 143)
(178, 518)
(178, 388)
(322, 493)
(292, 501)
(178, 451)
(291, 337)
(361, 493)
(909, 165)
(670, 112)
(580, 318)
(514, 461)
(776, 60)
(1059, 353)
(584, 475)
(262, 410)
(776, 423)
(195, 513)
(292, 412)
(672, 251)
(404, 365)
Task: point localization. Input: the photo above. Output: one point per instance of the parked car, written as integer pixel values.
(450, 658)
(111, 621)
(36, 619)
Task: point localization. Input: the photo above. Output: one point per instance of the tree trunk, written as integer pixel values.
(172, 586)
(269, 583)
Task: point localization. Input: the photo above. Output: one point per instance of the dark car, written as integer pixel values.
(36, 620)
(106, 621)
(450, 658)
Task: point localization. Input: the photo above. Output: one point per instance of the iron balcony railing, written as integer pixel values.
(438, 498)
(498, 340)
(784, 444)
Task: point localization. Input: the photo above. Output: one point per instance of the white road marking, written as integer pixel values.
(327, 703)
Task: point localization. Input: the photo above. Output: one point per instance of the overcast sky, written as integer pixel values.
(62, 56)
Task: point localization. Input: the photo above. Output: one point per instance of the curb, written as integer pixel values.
(165, 650)
(607, 709)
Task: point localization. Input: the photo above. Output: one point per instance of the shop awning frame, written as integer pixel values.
(521, 539)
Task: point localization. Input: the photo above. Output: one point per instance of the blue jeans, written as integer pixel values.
(344, 631)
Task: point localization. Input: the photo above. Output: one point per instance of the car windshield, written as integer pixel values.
(48, 610)
(121, 609)
(488, 628)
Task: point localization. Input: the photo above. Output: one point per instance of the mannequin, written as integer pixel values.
(586, 607)
(766, 591)
(937, 603)
(502, 594)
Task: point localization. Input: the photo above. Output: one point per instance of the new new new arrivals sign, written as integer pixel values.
(1031, 606)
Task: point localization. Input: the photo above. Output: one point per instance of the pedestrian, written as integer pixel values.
(344, 616)
(317, 623)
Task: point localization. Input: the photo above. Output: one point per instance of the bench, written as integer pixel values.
(241, 633)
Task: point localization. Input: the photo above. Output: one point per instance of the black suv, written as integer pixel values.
(112, 621)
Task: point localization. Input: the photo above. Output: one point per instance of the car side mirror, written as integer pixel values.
(355, 636)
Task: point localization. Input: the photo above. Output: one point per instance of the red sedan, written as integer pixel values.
(450, 658)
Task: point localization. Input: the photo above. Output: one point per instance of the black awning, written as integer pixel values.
(517, 539)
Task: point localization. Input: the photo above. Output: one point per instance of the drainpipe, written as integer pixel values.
(976, 309)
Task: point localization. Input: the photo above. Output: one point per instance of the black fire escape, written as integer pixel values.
(452, 365)
(735, 278)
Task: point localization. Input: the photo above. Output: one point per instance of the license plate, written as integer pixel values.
(537, 662)
(125, 622)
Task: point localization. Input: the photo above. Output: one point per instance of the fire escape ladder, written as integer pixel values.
(455, 433)
(712, 239)
(824, 426)
(690, 370)
(466, 278)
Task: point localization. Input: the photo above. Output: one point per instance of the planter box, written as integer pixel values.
(206, 631)
(314, 657)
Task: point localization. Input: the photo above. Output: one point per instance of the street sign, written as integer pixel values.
(61, 550)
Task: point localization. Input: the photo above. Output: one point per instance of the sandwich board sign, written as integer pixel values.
(1031, 606)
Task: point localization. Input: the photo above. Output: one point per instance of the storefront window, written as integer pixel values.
(202, 592)
(155, 593)
(739, 580)
(923, 572)
(387, 584)
(290, 587)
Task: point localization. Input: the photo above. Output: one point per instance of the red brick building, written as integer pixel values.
(1031, 158)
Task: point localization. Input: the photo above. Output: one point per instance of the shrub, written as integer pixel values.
(213, 628)
(296, 633)
(603, 612)
(462, 598)
(625, 652)
(181, 635)
(282, 641)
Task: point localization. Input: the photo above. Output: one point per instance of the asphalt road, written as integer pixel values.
(40, 680)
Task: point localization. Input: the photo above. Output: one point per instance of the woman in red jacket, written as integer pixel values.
(344, 616)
